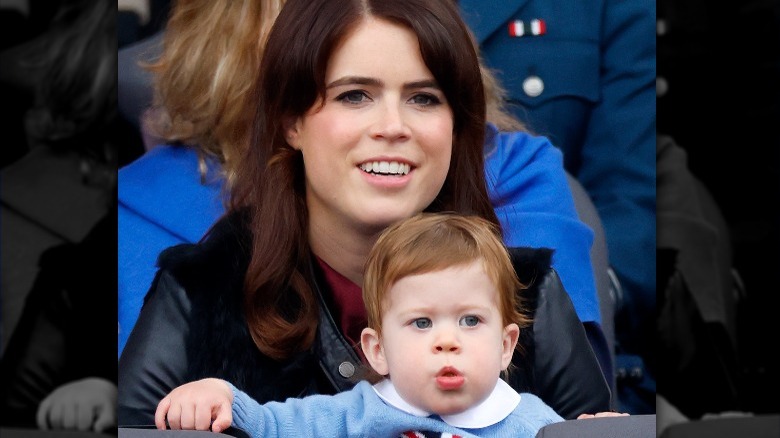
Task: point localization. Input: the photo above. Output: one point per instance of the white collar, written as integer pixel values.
(497, 406)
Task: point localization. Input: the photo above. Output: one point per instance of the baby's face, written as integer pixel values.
(443, 338)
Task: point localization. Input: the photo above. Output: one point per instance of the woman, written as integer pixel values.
(172, 194)
(368, 112)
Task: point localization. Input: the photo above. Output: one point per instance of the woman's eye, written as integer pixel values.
(469, 321)
(422, 323)
(425, 99)
(353, 96)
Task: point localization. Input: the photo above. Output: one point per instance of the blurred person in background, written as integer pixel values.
(58, 370)
(730, 81)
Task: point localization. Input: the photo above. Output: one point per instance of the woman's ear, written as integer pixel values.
(372, 349)
(291, 133)
(508, 344)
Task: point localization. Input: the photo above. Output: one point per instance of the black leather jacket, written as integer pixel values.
(192, 326)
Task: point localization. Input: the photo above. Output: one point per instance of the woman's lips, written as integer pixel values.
(387, 181)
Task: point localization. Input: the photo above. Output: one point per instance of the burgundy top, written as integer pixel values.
(348, 298)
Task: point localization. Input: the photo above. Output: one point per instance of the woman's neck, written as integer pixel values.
(344, 249)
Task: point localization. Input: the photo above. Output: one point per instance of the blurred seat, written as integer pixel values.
(607, 285)
(759, 426)
(699, 292)
(634, 426)
(151, 432)
(10, 432)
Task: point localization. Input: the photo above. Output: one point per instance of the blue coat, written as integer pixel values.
(586, 80)
(161, 204)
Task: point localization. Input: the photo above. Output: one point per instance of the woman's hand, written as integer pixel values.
(601, 415)
(194, 405)
(87, 404)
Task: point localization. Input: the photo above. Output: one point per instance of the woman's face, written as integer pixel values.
(378, 148)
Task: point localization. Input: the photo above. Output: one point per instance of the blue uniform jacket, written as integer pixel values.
(584, 76)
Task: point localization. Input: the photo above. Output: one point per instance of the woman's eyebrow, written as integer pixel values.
(362, 80)
(425, 83)
(354, 80)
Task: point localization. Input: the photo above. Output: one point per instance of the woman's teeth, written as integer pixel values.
(386, 168)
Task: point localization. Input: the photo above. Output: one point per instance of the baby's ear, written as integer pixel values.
(508, 344)
(372, 348)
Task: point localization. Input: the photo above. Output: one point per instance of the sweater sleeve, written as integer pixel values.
(324, 416)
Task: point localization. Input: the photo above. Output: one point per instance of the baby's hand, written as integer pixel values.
(87, 404)
(193, 405)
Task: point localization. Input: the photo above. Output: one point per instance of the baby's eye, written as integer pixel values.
(422, 323)
(353, 97)
(425, 99)
(469, 320)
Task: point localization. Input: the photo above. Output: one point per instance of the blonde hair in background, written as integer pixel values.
(209, 63)
(431, 242)
(495, 101)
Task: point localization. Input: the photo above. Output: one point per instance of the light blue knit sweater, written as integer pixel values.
(360, 412)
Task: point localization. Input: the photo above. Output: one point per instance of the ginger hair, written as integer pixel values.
(431, 242)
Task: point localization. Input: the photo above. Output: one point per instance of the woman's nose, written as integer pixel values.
(391, 124)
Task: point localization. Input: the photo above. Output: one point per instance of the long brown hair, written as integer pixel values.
(281, 308)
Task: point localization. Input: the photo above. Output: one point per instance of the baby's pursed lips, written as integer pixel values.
(448, 371)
